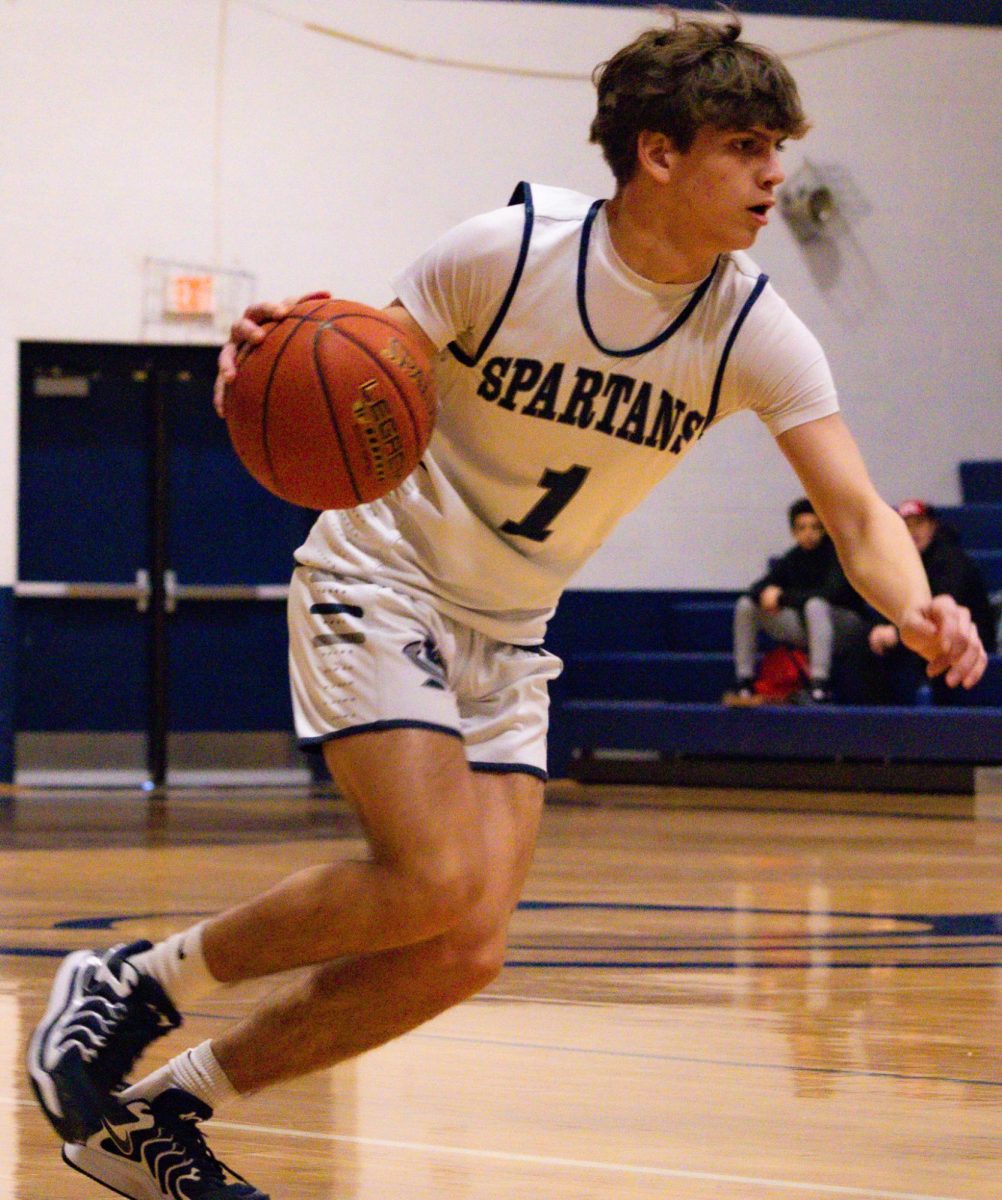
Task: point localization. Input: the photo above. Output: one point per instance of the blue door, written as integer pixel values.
(152, 568)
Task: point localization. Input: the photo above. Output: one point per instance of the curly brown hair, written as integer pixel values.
(677, 79)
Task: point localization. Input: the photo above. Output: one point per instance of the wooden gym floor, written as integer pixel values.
(701, 1003)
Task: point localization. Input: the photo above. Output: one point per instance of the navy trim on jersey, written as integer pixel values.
(665, 334)
(376, 727)
(509, 769)
(756, 291)
(521, 195)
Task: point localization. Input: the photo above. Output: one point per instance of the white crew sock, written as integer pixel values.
(196, 1071)
(178, 965)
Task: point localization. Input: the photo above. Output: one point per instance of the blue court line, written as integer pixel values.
(941, 924)
(31, 952)
(913, 932)
(109, 922)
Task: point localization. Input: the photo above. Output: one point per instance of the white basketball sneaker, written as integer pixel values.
(154, 1150)
(102, 1014)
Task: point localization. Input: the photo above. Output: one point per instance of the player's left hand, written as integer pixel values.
(249, 330)
(946, 637)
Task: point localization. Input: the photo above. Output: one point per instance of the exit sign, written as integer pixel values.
(190, 296)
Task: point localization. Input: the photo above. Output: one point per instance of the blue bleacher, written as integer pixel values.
(979, 525)
(645, 670)
(990, 563)
(981, 482)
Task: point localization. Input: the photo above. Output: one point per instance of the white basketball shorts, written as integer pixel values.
(366, 657)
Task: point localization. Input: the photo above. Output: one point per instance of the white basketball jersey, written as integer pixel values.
(568, 386)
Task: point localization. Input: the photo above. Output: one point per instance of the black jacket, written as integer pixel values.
(801, 574)
(952, 573)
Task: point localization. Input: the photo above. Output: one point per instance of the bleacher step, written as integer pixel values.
(981, 481)
(972, 735)
(979, 525)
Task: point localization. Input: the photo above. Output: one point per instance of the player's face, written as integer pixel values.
(724, 185)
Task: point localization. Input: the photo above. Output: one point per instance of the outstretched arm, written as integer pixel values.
(877, 553)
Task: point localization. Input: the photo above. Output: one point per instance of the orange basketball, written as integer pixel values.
(334, 408)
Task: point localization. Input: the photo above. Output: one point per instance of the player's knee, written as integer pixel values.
(480, 966)
(444, 891)
(467, 964)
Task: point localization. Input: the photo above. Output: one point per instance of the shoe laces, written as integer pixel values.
(178, 1117)
(190, 1141)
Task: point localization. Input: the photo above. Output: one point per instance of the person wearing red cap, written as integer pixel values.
(951, 572)
(915, 510)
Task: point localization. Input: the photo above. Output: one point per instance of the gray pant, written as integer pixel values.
(823, 630)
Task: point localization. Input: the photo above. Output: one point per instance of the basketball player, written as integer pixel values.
(581, 349)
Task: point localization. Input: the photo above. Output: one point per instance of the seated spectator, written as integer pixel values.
(951, 572)
(805, 601)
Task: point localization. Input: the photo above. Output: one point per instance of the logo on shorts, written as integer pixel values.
(426, 657)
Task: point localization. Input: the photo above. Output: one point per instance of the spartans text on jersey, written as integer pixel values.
(610, 403)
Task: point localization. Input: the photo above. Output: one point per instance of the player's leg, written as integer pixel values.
(425, 870)
(501, 693)
(345, 1007)
(333, 1011)
(360, 657)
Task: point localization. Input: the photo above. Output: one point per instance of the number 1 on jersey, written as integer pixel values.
(560, 487)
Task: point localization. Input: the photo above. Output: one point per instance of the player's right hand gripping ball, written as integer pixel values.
(334, 408)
